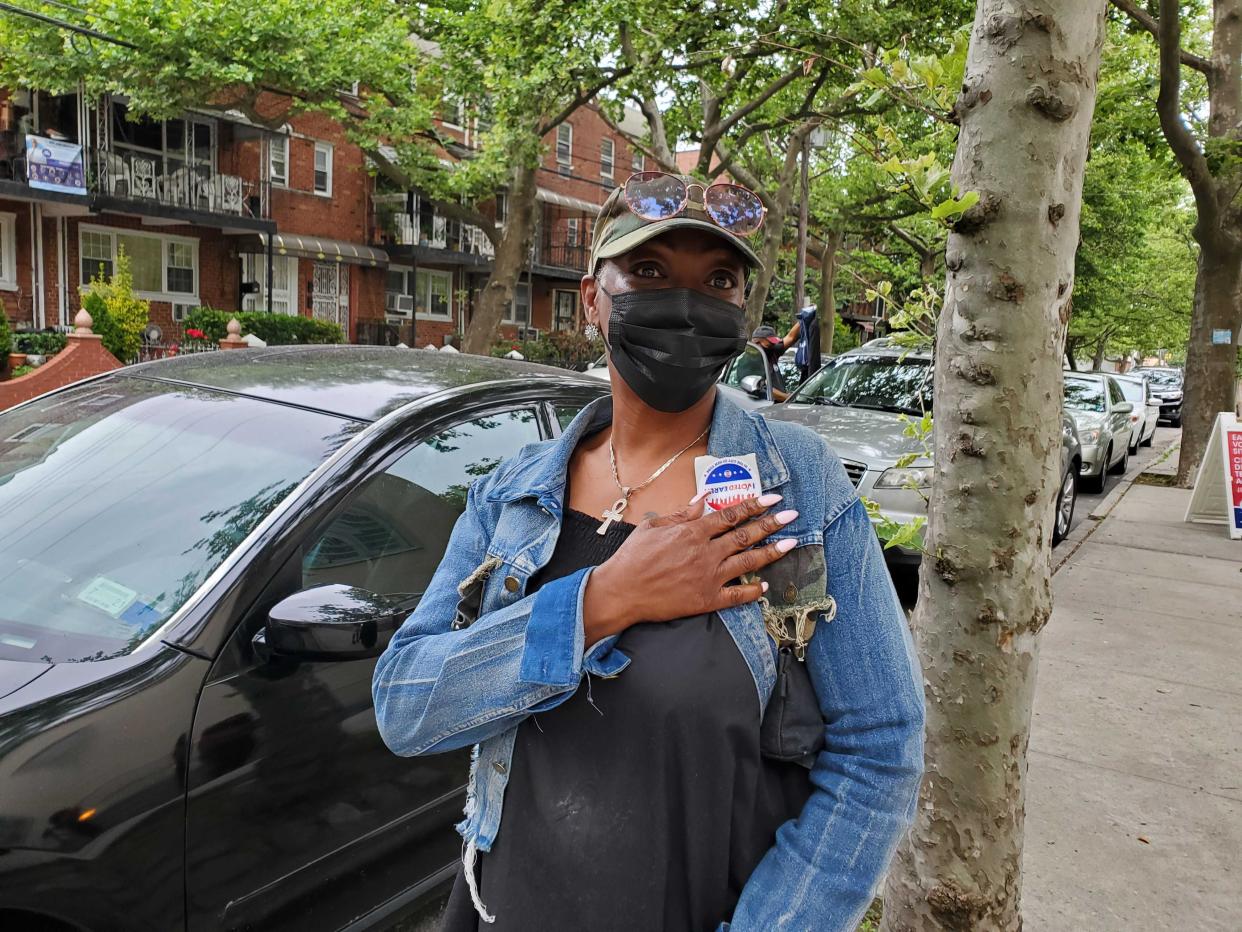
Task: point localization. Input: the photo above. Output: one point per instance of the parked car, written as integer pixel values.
(200, 560)
(1166, 388)
(1102, 415)
(857, 403)
(1146, 413)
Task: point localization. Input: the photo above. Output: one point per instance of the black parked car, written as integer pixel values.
(200, 559)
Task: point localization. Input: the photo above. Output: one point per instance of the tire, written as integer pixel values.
(1067, 497)
(1175, 421)
(1095, 484)
(1148, 442)
(1133, 451)
(1122, 464)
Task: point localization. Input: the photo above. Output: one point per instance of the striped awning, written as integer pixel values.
(314, 247)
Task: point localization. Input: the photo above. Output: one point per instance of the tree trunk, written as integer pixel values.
(984, 594)
(1211, 377)
(512, 254)
(1097, 358)
(774, 232)
(828, 292)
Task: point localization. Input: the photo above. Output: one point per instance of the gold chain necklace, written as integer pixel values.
(615, 513)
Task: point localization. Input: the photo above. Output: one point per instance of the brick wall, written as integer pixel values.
(18, 303)
(80, 359)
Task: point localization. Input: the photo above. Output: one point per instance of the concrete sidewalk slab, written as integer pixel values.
(1138, 729)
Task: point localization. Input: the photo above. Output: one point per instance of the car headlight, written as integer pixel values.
(1090, 435)
(912, 477)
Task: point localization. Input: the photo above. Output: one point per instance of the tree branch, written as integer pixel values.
(1146, 21)
(1169, 108)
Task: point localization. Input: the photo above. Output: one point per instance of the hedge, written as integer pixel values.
(272, 329)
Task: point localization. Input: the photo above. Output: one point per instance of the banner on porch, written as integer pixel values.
(53, 165)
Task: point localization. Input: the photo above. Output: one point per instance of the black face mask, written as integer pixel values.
(671, 344)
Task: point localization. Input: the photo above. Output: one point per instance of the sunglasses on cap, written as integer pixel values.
(660, 196)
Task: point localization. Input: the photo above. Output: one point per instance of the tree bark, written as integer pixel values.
(828, 292)
(774, 228)
(512, 254)
(984, 593)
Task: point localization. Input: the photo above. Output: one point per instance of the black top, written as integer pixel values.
(641, 803)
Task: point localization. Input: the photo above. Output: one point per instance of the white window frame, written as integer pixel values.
(459, 118)
(607, 163)
(325, 147)
(638, 161)
(502, 209)
(510, 316)
(425, 299)
(572, 231)
(281, 181)
(172, 297)
(288, 294)
(567, 130)
(8, 252)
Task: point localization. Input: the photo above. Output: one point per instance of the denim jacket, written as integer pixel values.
(441, 685)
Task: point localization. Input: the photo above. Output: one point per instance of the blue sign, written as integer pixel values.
(53, 165)
(1222, 337)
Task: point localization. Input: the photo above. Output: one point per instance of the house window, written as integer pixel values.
(8, 252)
(571, 231)
(565, 310)
(453, 112)
(95, 250)
(564, 147)
(323, 168)
(432, 291)
(637, 161)
(164, 268)
(278, 156)
(518, 311)
(502, 209)
(284, 281)
(607, 151)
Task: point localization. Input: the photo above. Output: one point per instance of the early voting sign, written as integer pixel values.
(1217, 497)
(53, 165)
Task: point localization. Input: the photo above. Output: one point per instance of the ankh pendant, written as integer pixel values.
(614, 513)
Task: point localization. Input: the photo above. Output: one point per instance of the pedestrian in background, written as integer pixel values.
(773, 348)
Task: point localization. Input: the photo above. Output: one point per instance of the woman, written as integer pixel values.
(605, 645)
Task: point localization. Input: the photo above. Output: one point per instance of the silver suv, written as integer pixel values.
(856, 403)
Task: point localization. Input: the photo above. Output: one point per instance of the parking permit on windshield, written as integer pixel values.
(727, 480)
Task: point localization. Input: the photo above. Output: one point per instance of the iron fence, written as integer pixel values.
(150, 350)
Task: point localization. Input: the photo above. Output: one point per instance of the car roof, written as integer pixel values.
(1094, 376)
(884, 346)
(1125, 377)
(359, 382)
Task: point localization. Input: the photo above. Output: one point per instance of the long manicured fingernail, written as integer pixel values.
(786, 545)
(763, 586)
(698, 498)
(767, 501)
(785, 517)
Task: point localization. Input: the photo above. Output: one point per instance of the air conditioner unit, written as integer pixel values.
(530, 333)
(399, 305)
(181, 311)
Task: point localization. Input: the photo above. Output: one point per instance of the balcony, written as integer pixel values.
(424, 236)
(175, 183)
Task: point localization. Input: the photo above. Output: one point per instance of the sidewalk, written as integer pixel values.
(1134, 789)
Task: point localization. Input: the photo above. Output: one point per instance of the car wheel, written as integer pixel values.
(1134, 447)
(1066, 499)
(1148, 441)
(1122, 464)
(1095, 483)
(1175, 421)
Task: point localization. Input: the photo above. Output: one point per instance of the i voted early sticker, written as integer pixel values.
(727, 479)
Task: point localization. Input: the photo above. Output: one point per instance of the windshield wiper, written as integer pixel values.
(890, 409)
(825, 400)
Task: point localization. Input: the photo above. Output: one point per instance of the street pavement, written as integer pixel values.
(1134, 784)
(1087, 502)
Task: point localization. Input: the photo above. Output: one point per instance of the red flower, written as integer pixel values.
(196, 334)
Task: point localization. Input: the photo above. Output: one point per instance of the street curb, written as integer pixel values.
(1096, 517)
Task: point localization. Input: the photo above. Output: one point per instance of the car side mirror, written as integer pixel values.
(753, 385)
(1124, 407)
(331, 622)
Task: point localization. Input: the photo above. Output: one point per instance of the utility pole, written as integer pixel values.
(800, 272)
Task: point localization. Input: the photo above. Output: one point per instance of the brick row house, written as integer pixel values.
(216, 210)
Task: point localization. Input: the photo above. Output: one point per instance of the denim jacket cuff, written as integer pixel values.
(552, 655)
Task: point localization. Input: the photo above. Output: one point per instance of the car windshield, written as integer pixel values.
(881, 383)
(1164, 377)
(1132, 390)
(119, 498)
(1084, 395)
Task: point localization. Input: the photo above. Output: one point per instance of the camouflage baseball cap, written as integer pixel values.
(618, 230)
